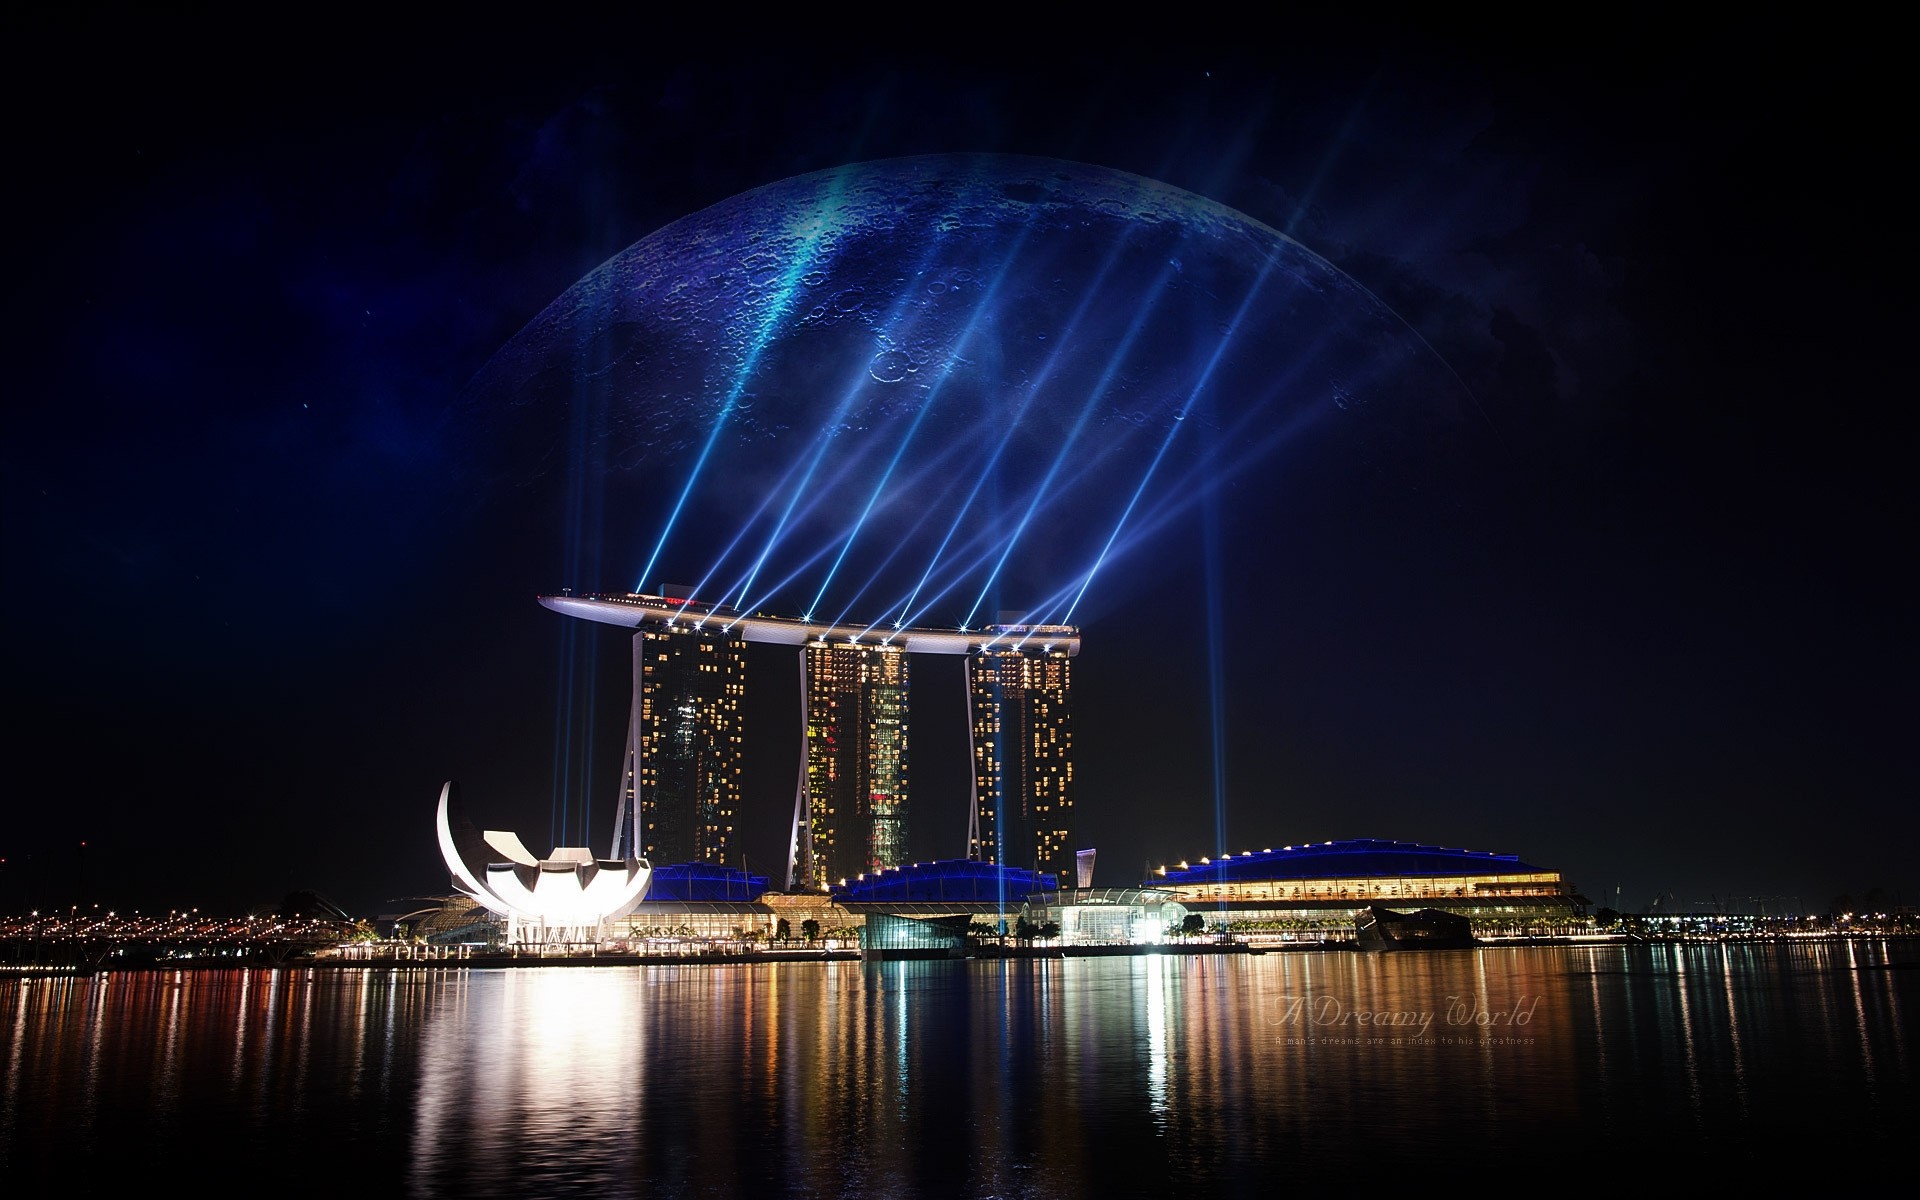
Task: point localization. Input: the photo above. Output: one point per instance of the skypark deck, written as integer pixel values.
(634, 609)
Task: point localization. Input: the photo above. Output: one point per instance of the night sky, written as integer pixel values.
(260, 606)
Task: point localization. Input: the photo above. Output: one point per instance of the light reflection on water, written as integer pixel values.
(1096, 1077)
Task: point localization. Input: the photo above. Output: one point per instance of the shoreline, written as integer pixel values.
(519, 961)
(512, 961)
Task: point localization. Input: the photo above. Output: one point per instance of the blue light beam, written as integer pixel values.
(770, 321)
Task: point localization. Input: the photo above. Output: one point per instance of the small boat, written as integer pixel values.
(1378, 928)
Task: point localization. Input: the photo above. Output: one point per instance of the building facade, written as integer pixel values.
(856, 761)
(680, 778)
(850, 813)
(1323, 886)
(1019, 689)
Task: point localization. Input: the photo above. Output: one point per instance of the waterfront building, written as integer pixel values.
(568, 897)
(454, 919)
(1090, 916)
(856, 762)
(675, 883)
(1020, 687)
(887, 936)
(680, 775)
(700, 902)
(996, 898)
(992, 895)
(705, 919)
(850, 807)
(931, 885)
(1324, 885)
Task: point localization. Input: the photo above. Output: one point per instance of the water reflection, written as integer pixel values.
(1156, 984)
(1090, 1077)
(538, 1066)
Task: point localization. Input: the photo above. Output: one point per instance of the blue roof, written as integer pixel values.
(703, 881)
(954, 879)
(1357, 858)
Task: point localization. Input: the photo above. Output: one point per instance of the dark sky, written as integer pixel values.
(257, 614)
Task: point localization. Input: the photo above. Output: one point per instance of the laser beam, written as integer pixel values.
(822, 217)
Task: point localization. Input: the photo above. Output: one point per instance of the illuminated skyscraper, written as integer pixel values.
(850, 804)
(1019, 686)
(855, 782)
(680, 780)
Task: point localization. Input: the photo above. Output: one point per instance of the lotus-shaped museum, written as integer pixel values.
(568, 896)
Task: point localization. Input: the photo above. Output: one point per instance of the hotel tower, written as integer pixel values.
(680, 777)
(681, 782)
(856, 766)
(1019, 690)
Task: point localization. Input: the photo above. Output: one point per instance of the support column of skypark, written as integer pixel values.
(821, 442)
(774, 314)
(801, 874)
(973, 773)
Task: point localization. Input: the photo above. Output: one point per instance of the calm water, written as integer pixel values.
(1086, 1077)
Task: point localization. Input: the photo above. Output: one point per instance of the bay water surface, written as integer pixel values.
(1573, 1068)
